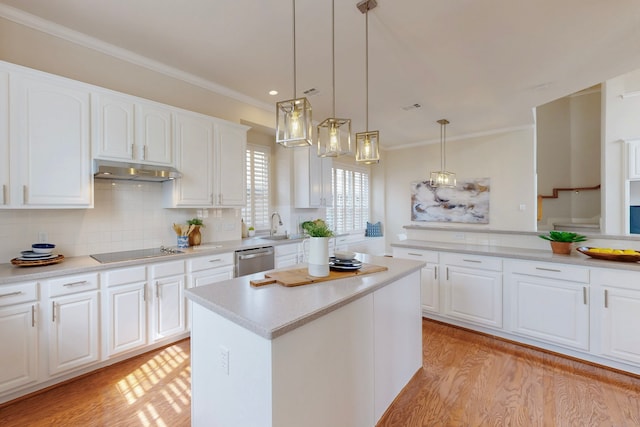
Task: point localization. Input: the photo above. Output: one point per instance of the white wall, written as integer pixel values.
(507, 158)
(568, 155)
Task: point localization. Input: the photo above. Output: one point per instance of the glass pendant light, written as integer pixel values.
(368, 142)
(293, 116)
(334, 135)
(442, 178)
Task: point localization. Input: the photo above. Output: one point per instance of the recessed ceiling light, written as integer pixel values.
(273, 92)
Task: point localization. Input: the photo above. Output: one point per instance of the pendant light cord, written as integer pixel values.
(366, 68)
(333, 54)
(442, 137)
(294, 49)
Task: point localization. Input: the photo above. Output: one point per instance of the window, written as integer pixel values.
(256, 213)
(350, 210)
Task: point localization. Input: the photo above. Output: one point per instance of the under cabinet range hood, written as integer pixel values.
(134, 172)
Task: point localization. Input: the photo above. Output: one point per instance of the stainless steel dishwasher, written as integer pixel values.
(249, 261)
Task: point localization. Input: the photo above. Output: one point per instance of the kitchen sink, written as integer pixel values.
(276, 237)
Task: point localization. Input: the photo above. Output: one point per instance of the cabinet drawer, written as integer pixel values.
(72, 284)
(417, 254)
(167, 269)
(550, 270)
(286, 249)
(211, 261)
(124, 276)
(16, 294)
(472, 261)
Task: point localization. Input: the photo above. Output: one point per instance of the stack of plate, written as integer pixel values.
(344, 264)
(34, 256)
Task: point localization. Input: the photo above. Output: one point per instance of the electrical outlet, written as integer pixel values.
(522, 207)
(458, 236)
(43, 237)
(224, 359)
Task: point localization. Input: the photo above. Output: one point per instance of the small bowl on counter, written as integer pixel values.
(43, 248)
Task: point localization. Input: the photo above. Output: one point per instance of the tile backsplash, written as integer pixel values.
(126, 215)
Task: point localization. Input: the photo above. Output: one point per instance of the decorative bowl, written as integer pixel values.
(607, 256)
(43, 248)
(344, 255)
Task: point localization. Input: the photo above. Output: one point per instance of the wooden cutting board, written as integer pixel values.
(300, 276)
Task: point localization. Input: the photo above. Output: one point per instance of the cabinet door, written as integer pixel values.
(112, 126)
(194, 159)
(169, 317)
(19, 349)
(154, 141)
(5, 161)
(552, 310)
(620, 315)
(633, 155)
(473, 295)
(126, 318)
(230, 165)
(312, 184)
(73, 331)
(214, 275)
(50, 131)
(429, 288)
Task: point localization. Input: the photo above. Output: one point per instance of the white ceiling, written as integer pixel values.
(481, 64)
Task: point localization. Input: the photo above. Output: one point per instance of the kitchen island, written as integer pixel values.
(332, 353)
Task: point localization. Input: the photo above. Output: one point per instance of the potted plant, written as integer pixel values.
(561, 241)
(252, 231)
(319, 233)
(195, 238)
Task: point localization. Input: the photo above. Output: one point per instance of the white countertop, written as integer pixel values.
(83, 264)
(517, 253)
(273, 310)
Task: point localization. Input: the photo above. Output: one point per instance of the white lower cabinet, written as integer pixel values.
(210, 269)
(124, 310)
(429, 283)
(616, 299)
(74, 322)
(472, 288)
(19, 320)
(287, 255)
(549, 302)
(169, 305)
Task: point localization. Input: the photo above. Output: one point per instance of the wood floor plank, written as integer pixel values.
(471, 379)
(468, 379)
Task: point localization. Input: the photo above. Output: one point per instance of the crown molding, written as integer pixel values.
(461, 137)
(59, 31)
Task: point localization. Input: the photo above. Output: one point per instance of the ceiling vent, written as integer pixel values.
(311, 92)
(412, 107)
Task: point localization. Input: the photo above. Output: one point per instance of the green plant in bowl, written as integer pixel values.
(196, 221)
(563, 236)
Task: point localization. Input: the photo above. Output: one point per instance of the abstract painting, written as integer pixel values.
(467, 202)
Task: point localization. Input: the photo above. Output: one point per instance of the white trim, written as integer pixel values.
(461, 137)
(56, 30)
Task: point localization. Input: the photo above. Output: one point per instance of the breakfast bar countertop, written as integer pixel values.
(273, 310)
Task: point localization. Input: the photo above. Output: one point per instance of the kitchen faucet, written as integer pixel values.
(273, 229)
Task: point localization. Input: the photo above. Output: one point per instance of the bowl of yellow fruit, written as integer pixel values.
(624, 255)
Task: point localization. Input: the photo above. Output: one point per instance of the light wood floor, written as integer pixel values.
(468, 379)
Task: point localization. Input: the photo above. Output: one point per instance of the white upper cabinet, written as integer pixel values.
(194, 159)
(5, 163)
(312, 184)
(154, 143)
(633, 157)
(127, 128)
(210, 154)
(230, 149)
(49, 135)
(113, 124)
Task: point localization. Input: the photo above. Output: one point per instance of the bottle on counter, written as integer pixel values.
(245, 231)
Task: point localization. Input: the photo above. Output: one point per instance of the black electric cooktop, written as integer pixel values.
(108, 257)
